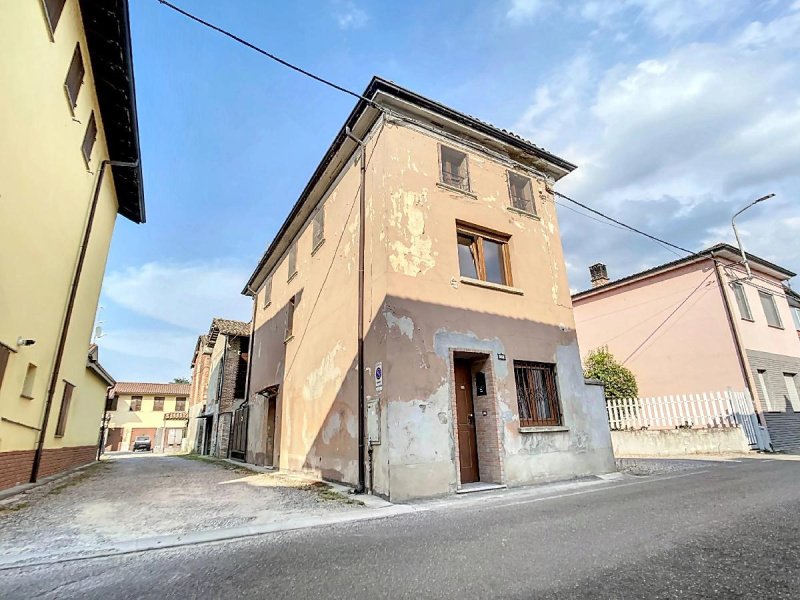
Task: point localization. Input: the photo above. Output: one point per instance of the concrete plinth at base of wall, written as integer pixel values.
(679, 442)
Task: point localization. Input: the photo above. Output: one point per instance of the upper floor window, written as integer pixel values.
(483, 255)
(521, 191)
(5, 354)
(741, 300)
(291, 261)
(88, 138)
(318, 227)
(158, 404)
(136, 403)
(537, 394)
(75, 76)
(66, 398)
(53, 10)
(455, 171)
(180, 404)
(290, 318)
(268, 291)
(111, 403)
(30, 380)
(794, 309)
(770, 309)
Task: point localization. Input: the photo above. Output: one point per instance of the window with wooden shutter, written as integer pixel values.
(180, 404)
(455, 171)
(136, 403)
(66, 398)
(521, 192)
(88, 139)
(291, 262)
(290, 318)
(158, 404)
(52, 11)
(268, 291)
(75, 76)
(318, 227)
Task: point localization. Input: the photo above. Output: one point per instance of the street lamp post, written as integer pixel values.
(736, 233)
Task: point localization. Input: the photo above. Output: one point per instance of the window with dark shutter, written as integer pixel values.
(61, 426)
(75, 76)
(291, 261)
(318, 229)
(537, 394)
(53, 10)
(88, 139)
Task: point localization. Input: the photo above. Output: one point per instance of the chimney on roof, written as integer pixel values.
(599, 275)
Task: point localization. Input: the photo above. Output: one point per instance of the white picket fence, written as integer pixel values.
(707, 410)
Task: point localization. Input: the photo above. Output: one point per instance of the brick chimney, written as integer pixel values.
(599, 275)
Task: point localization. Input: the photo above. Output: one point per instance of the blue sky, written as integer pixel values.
(677, 112)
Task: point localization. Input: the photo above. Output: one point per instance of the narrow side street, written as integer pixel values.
(136, 496)
(724, 530)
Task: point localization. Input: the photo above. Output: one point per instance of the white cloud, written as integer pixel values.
(350, 16)
(523, 10)
(676, 142)
(186, 295)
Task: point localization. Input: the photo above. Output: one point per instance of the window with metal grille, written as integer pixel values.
(75, 76)
(318, 229)
(158, 404)
(483, 255)
(291, 262)
(180, 404)
(136, 403)
(53, 10)
(741, 300)
(770, 309)
(521, 191)
(66, 398)
(290, 318)
(268, 291)
(537, 394)
(455, 171)
(88, 139)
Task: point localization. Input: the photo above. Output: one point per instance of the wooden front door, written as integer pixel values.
(174, 438)
(465, 420)
(114, 439)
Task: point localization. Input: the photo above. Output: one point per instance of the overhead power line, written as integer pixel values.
(264, 52)
(625, 225)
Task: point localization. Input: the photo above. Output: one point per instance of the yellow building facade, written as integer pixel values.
(156, 410)
(69, 163)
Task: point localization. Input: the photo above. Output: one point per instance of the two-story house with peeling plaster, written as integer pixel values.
(413, 331)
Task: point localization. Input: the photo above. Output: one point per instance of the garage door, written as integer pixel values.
(138, 432)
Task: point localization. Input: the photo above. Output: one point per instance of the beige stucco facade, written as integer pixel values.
(166, 425)
(421, 317)
(47, 190)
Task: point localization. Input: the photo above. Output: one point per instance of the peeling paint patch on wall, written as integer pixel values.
(412, 254)
(421, 432)
(327, 372)
(444, 340)
(404, 324)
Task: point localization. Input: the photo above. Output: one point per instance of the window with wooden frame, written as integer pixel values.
(52, 11)
(75, 76)
(290, 318)
(741, 301)
(483, 255)
(158, 404)
(291, 262)
(770, 309)
(537, 394)
(268, 291)
(111, 403)
(454, 168)
(521, 191)
(180, 404)
(318, 229)
(66, 398)
(136, 404)
(5, 354)
(89, 138)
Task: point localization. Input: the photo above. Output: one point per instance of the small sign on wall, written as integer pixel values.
(378, 377)
(374, 421)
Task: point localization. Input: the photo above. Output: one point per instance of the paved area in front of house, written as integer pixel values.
(728, 530)
(136, 496)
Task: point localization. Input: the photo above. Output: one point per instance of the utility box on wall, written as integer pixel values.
(374, 421)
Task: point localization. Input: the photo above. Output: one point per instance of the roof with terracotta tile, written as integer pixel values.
(227, 327)
(167, 389)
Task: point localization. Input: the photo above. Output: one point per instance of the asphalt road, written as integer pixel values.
(728, 531)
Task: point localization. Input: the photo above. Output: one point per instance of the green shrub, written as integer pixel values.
(620, 381)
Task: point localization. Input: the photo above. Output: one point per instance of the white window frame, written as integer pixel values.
(762, 382)
(790, 379)
(763, 296)
(745, 311)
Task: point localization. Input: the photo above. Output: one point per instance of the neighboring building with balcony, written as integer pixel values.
(68, 107)
(157, 410)
(472, 376)
(221, 359)
(698, 324)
